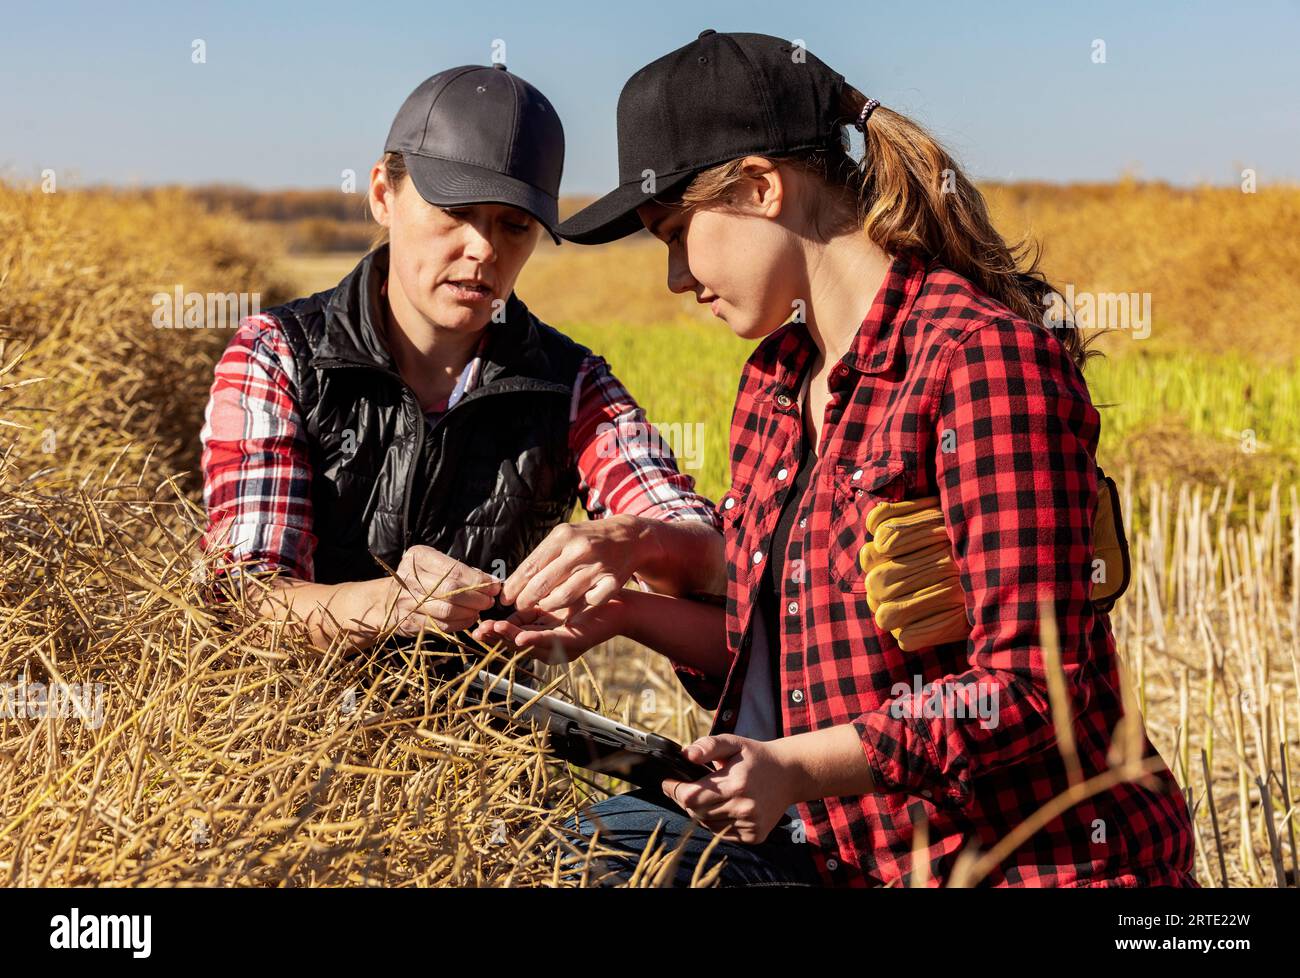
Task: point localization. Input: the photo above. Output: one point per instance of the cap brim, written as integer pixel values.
(448, 183)
(614, 216)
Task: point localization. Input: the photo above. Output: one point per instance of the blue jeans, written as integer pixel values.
(626, 822)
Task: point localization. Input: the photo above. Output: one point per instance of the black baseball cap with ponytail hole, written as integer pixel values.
(721, 97)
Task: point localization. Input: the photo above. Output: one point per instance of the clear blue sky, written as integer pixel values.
(292, 94)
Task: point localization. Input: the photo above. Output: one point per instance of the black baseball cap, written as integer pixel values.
(718, 98)
(481, 135)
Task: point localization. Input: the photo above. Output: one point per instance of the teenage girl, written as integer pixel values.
(902, 356)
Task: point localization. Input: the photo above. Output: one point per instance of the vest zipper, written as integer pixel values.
(424, 423)
(476, 395)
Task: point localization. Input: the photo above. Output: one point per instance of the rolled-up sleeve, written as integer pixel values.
(1015, 467)
(627, 465)
(255, 460)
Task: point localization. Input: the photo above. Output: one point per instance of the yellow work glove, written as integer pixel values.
(1109, 545)
(913, 586)
(912, 582)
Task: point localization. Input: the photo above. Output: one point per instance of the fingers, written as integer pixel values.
(724, 818)
(510, 629)
(412, 625)
(572, 593)
(447, 608)
(702, 797)
(606, 586)
(706, 795)
(670, 787)
(716, 747)
(484, 632)
(562, 643)
(443, 615)
(554, 646)
(532, 565)
(562, 573)
(498, 631)
(433, 568)
(725, 826)
(475, 598)
(522, 637)
(551, 650)
(906, 534)
(540, 584)
(536, 638)
(427, 572)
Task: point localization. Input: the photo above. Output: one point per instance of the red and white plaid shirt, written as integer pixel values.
(257, 474)
(944, 392)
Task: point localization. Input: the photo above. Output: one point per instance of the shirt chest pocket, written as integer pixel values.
(857, 487)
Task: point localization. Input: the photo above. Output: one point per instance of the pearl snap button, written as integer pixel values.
(804, 521)
(857, 475)
(783, 400)
(781, 474)
(797, 696)
(832, 865)
(758, 556)
(793, 607)
(728, 504)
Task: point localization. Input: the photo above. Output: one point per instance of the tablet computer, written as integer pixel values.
(588, 739)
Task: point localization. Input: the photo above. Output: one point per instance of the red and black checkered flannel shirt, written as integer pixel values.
(944, 392)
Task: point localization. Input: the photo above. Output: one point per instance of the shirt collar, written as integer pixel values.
(876, 343)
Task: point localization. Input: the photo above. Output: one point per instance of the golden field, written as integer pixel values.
(232, 754)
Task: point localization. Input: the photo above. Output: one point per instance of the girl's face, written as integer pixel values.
(744, 259)
(455, 265)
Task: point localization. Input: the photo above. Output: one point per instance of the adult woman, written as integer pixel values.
(914, 365)
(419, 416)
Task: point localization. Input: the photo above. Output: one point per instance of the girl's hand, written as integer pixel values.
(747, 794)
(555, 639)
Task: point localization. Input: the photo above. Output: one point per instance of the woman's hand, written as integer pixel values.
(555, 639)
(434, 589)
(580, 565)
(747, 794)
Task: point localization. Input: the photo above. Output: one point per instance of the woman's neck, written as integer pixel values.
(429, 357)
(844, 276)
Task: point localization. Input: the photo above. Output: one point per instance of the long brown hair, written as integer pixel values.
(911, 197)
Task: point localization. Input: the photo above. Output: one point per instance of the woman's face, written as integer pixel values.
(455, 265)
(743, 259)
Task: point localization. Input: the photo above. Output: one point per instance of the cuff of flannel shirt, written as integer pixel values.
(222, 582)
(903, 758)
(705, 690)
(707, 515)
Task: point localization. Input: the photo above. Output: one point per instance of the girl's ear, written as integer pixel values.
(764, 188)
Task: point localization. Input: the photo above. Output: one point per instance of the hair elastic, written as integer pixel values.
(867, 109)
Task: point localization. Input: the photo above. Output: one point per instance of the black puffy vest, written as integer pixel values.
(484, 484)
